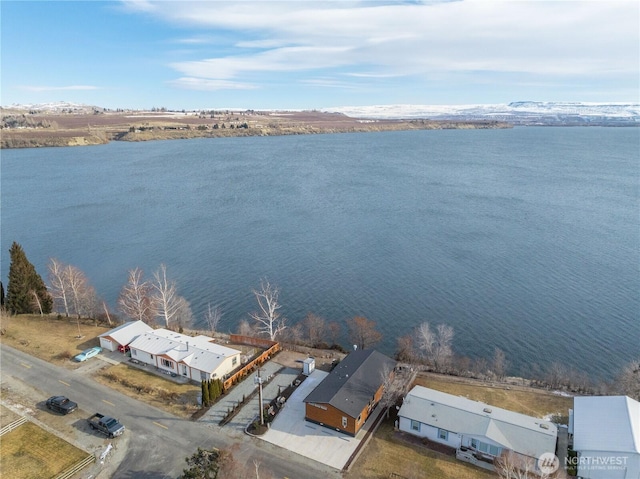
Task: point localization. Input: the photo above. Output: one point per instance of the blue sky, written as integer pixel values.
(303, 54)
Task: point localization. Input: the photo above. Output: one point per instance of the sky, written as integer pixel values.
(309, 54)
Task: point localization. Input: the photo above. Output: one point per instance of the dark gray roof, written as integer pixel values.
(353, 382)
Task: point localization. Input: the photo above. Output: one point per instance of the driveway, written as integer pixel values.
(155, 443)
(290, 431)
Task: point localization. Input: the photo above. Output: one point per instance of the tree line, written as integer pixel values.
(156, 301)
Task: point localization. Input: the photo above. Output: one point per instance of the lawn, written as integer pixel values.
(528, 401)
(30, 452)
(388, 456)
(161, 392)
(48, 338)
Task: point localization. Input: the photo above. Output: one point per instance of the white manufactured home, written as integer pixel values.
(198, 358)
(606, 436)
(476, 428)
(123, 335)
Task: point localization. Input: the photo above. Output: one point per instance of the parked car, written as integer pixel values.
(88, 353)
(61, 404)
(106, 425)
(123, 348)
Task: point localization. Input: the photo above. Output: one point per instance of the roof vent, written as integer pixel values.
(487, 410)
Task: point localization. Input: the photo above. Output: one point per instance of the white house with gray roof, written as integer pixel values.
(198, 358)
(484, 430)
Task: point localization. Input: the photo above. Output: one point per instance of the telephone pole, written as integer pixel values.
(258, 380)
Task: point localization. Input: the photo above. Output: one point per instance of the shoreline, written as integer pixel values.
(43, 138)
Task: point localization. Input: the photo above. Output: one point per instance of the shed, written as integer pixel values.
(308, 366)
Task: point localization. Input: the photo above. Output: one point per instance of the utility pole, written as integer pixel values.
(258, 380)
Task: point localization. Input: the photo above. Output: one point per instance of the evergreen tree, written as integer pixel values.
(205, 394)
(212, 390)
(24, 283)
(220, 386)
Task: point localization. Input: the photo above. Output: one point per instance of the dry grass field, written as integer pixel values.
(158, 391)
(532, 402)
(387, 456)
(48, 338)
(30, 452)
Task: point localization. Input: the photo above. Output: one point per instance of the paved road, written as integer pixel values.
(158, 441)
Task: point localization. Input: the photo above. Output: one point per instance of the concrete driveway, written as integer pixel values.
(290, 431)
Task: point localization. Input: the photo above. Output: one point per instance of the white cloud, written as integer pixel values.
(540, 38)
(191, 83)
(58, 88)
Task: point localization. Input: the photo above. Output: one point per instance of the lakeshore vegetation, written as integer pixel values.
(156, 301)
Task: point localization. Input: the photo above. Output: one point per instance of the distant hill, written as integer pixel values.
(517, 113)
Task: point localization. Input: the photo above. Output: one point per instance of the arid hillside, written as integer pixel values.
(30, 129)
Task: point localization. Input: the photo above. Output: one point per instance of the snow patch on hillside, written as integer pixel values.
(520, 110)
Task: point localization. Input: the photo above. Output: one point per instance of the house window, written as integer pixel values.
(184, 369)
(442, 434)
(234, 361)
(494, 450)
(344, 421)
(166, 363)
(359, 418)
(134, 352)
(415, 425)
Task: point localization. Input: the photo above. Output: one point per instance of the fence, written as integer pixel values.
(272, 348)
(11, 426)
(77, 467)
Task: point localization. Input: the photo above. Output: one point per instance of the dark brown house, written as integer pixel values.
(345, 398)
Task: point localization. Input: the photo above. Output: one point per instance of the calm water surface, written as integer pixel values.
(525, 239)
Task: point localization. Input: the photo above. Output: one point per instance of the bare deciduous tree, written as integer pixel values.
(268, 318)
(244, 328)
(436, 345)
(511, 465)
(333, 330)
(499, 365)
(392, 388)
(58, 285)
(293, 335)
(629, 380)
(316, 329)
(406, 351)
(363, 332)
(184, 316)
(71, 288)
(135, 300)
(165, 297)
(212, 316)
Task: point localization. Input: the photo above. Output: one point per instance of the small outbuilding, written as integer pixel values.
(123, 335)
(308, 366)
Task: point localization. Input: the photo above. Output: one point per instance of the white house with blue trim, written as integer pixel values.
(477, 428)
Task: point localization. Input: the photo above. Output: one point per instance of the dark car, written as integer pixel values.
(61, 404)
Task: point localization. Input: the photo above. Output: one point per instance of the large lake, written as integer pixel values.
(525, 239)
